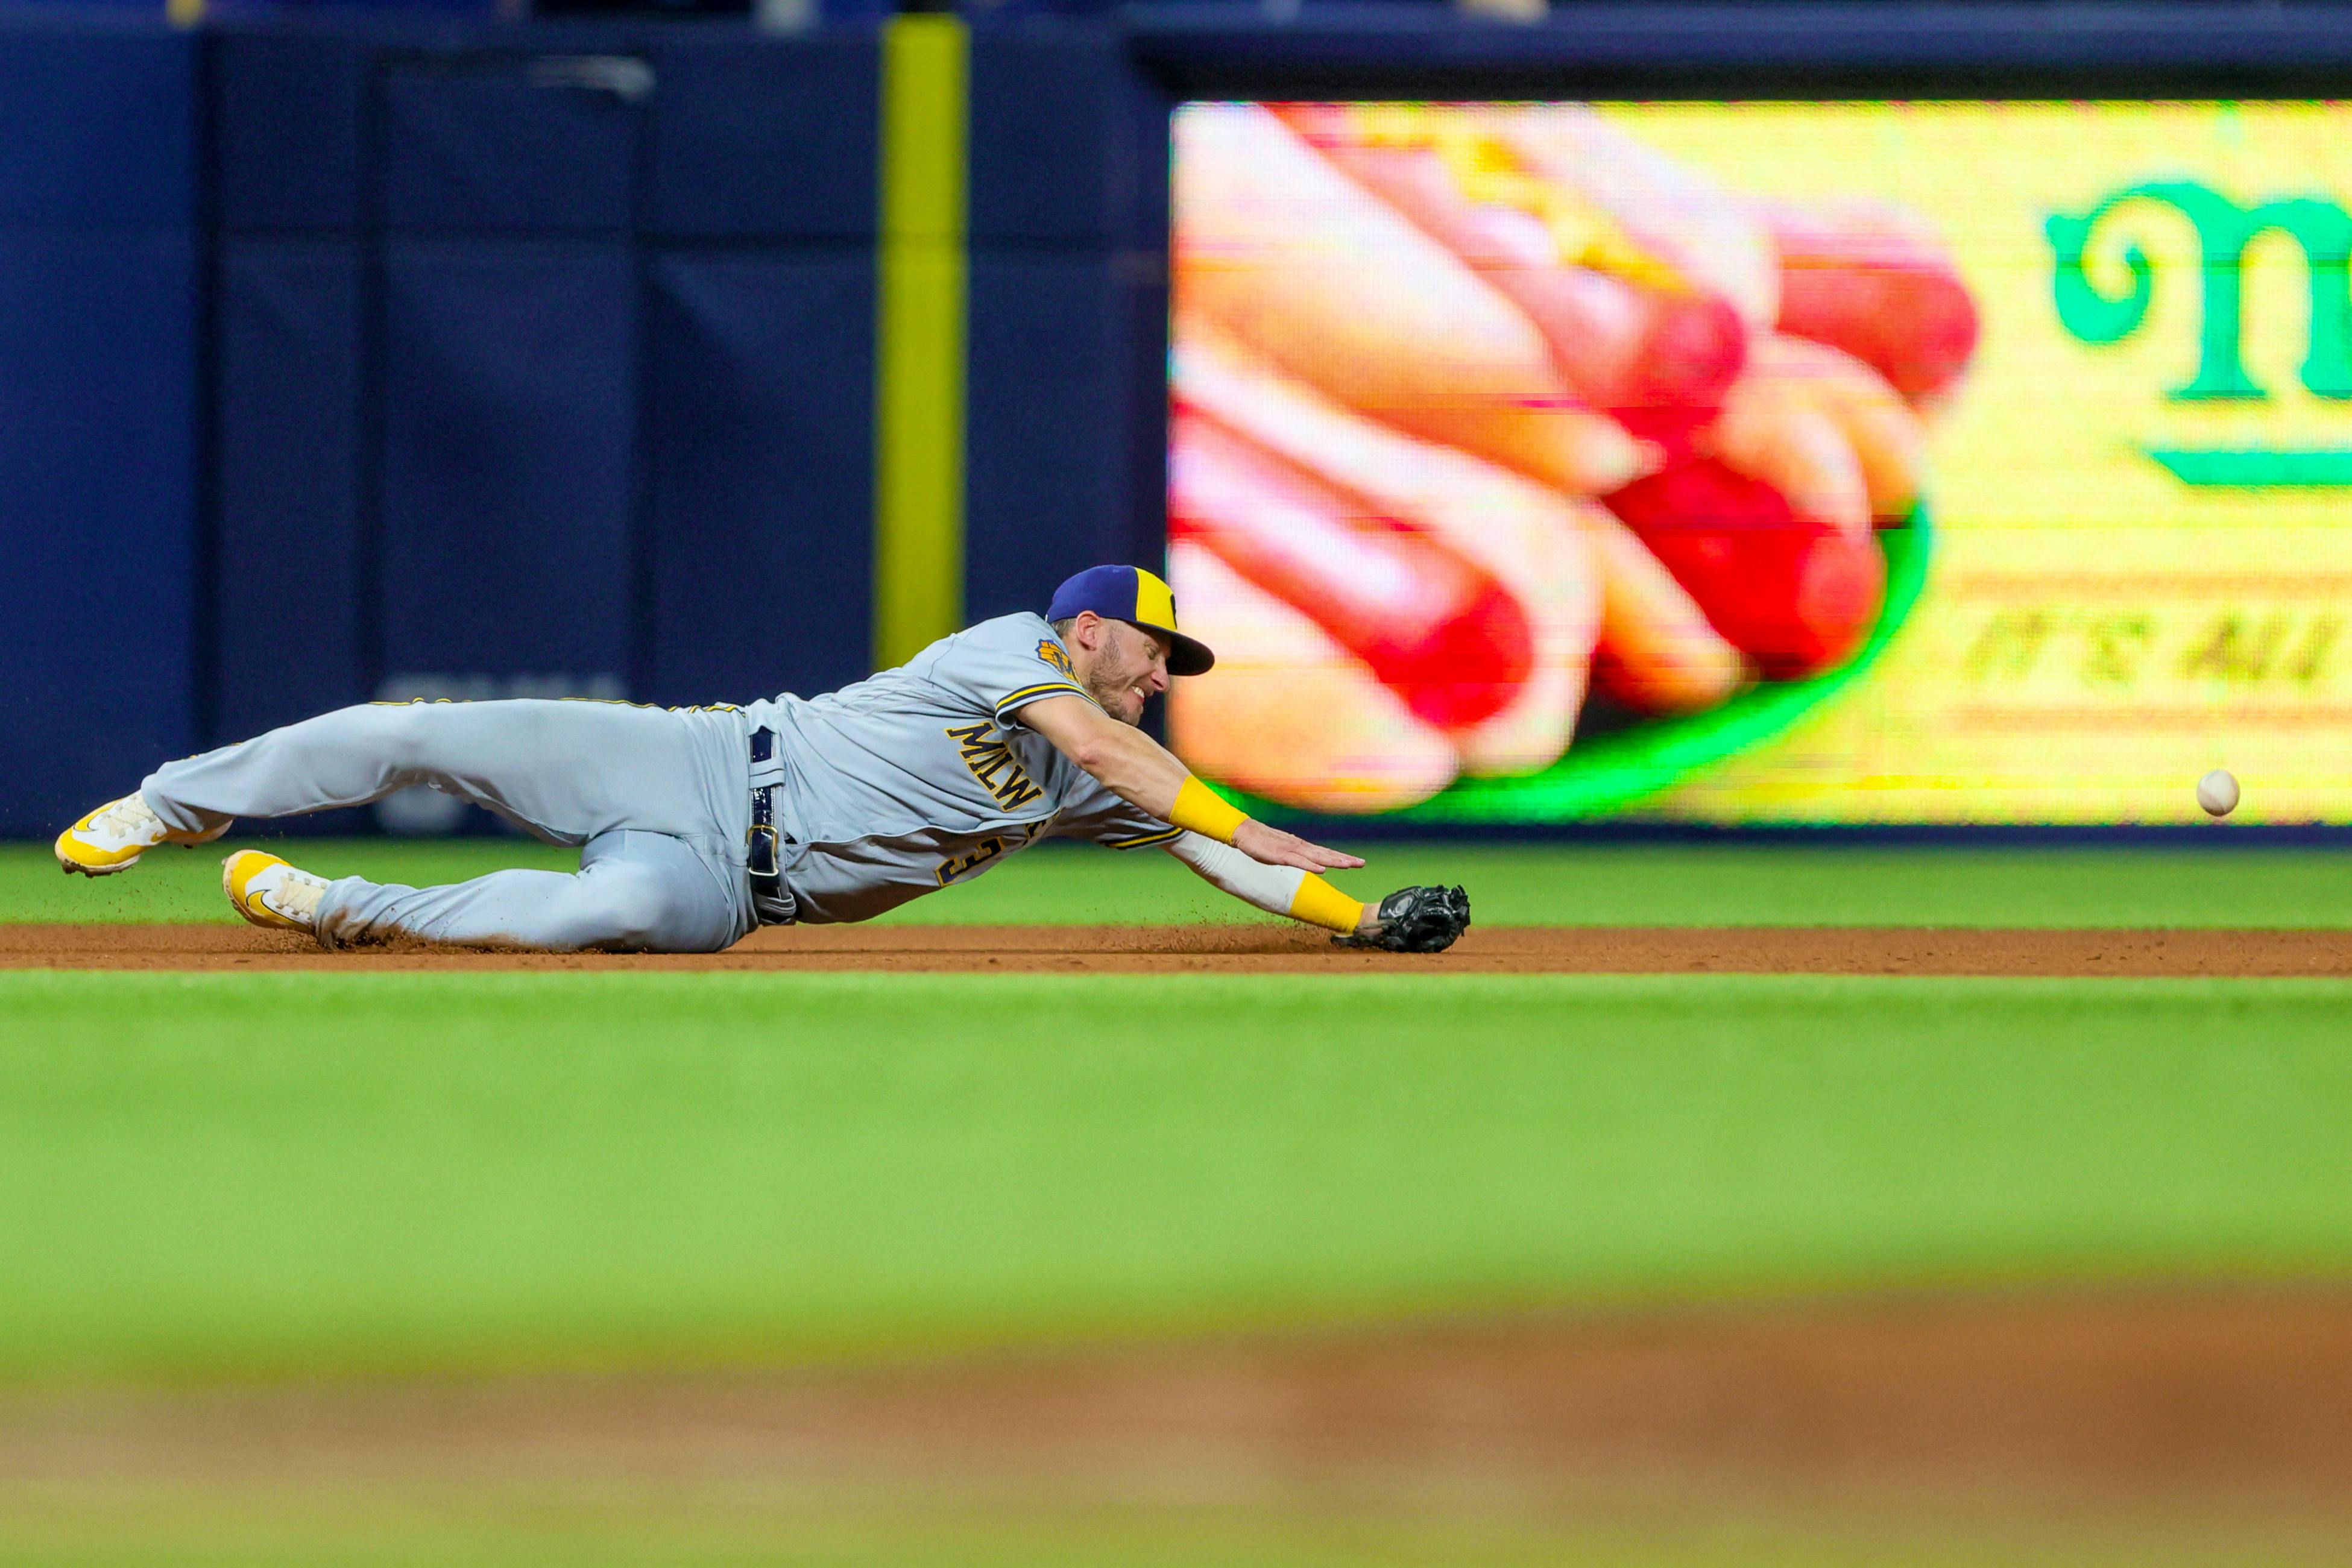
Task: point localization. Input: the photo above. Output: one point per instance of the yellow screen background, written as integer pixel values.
(2095, 633)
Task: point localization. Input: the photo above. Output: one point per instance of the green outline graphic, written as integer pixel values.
(1614, 771)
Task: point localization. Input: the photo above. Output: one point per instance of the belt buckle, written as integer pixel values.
(760, 849)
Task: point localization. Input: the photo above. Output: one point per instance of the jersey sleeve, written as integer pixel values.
(1004, 664)
(1100, 816)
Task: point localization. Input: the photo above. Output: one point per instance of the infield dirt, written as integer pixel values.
(1243, 949)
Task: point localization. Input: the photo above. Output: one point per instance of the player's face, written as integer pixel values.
(1128, 670)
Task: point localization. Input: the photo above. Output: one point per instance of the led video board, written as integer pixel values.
(1838, 463)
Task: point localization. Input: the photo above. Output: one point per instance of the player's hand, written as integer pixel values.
(1272, 846)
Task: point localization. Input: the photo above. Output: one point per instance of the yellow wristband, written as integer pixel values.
(1318, 902)
(1202, 810)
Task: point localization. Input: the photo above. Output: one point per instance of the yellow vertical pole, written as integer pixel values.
(918, 373)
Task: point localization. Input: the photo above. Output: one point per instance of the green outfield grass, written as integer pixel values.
(215, 1176)
(1531, 884)
(263, 1174)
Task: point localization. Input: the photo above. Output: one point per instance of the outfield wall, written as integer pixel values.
(100, 254)
(350, 359)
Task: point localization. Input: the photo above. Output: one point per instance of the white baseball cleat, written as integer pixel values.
(271, 894)
(113, 837)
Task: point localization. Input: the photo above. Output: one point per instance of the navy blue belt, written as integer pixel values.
(762, 854)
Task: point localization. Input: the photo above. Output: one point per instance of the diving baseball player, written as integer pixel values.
(696, 825)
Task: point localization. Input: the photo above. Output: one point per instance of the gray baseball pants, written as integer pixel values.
(656, 798)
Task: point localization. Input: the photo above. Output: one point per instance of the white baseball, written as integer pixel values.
(2217, 792)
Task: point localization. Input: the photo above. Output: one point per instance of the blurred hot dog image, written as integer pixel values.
(1624, 333)
(1434, 629)
(1512, 429)
(1486, 644)
(1873, 280)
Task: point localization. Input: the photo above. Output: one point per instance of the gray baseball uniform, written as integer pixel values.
(916, 778)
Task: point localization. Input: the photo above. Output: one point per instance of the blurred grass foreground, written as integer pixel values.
(240, 1212)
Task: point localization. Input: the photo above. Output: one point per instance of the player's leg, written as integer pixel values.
(563, 771)
(635, 892)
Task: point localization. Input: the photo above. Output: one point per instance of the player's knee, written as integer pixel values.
(403, 733)
(624, 908)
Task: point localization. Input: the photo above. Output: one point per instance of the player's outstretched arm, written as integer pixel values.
(1276, 889)
(1147, 776)
(1410, 920)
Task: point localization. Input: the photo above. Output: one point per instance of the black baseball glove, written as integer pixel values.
(1417, 920)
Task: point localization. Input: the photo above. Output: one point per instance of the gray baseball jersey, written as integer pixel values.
(924, 775)
(920, 777)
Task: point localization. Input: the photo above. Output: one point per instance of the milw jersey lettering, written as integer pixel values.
(992, 763)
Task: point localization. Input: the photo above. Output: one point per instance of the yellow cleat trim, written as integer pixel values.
(90, 859)
(238, 873)
(73, 855)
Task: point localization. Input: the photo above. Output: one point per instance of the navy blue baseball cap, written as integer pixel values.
(1131, 594)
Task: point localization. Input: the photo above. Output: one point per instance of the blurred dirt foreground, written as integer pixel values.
(2206, 1405)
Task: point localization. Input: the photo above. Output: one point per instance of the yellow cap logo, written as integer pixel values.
(1155, 602)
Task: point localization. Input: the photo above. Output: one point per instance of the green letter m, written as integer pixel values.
(2224, 229)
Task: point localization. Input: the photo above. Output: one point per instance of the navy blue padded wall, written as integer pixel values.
(1053, 158)
(487, 142)
(760, 341)
(99, 292)
(289, 113)
(537, 493)
(97, 516)
(508, 458)
(289, 117)
(508, 500)
(101, 128)
(1064, 434)
(1050, 423)
(285, 412)
(762, 137)
(762, 455)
